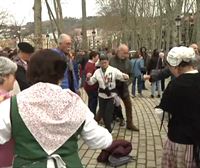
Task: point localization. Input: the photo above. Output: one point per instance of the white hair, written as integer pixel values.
(7, 66)
(122, 47)
(62, 37)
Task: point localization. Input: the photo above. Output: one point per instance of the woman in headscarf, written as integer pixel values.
(181, 101)
(46, 119)
(7, 78)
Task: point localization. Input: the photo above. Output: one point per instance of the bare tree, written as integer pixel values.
(38, 23)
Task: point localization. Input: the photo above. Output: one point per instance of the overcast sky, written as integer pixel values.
(22, 9)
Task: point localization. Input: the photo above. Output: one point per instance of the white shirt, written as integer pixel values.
(106, 79)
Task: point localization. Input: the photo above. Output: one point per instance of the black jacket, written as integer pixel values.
(181, 101)
(21, 78)
(162, 74)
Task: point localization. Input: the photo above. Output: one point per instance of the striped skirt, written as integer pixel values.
(177, 155)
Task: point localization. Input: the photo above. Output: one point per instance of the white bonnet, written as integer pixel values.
(178, 54)
(7, 66)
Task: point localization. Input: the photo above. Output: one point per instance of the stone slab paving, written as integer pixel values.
(147, 144)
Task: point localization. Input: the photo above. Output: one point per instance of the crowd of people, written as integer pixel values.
(42, 113)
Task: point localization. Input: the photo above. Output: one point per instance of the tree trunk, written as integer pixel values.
(84, 29)
(198, 22)
(124, 15)
(59, 16)
(38, 24)
(51, 16)
(52, 25)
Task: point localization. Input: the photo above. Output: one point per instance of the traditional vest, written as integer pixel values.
(29, 154)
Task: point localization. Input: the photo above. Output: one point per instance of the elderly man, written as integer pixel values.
(196, 48)
(121, 61)
(22, 59)
(70, 80)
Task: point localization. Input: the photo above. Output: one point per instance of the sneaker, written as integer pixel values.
(141, 95)
(133, 96)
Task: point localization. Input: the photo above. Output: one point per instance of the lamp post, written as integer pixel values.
(178, 24)
(47, 37)
(19, 35)
(93, 38)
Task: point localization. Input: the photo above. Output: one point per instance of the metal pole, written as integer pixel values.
(93, 42)
(47, 43)
(178, 35)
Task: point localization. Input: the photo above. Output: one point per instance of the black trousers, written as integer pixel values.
(106, 108)
(92, 101)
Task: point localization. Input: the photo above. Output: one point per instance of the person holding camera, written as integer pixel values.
(106, 77)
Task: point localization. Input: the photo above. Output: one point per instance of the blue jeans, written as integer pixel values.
(92, 101)
(139, 85)
(153, 87)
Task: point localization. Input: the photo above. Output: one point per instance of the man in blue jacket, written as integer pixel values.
(71, 76)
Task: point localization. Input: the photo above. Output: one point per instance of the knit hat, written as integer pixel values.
(7, 66)
(26, 47)
(178, 54)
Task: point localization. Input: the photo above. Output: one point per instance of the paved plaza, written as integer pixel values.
(147, 144)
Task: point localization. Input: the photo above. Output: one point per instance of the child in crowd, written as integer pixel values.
(106, 77)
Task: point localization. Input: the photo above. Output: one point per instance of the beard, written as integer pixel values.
(121, 56)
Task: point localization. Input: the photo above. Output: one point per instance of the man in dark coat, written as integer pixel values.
(22, 59)
(121, 61)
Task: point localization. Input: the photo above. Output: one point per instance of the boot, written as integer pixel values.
(132, 127)
(128, 108)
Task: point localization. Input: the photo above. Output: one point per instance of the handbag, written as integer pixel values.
(155, 72)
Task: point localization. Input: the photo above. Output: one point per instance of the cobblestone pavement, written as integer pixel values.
(147, 144)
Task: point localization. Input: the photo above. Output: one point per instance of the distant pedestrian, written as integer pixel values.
(155, 65)
(146, 58)
(137, 65)
(92, 90)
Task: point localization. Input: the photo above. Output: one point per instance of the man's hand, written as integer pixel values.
(125, 76)
(88, 75)
(146, 77)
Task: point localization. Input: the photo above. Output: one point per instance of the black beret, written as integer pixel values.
(25, 47)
